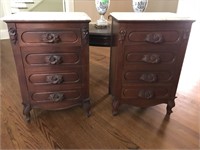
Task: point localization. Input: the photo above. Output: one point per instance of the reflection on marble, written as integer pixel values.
(126, 16)
(47, 16)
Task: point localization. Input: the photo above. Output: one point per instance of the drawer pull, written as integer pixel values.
(154, 38)
(56, 97)
(148, 77)
(54, 79)
(50, 38)
(53, 59)
(147, 94)
(151, 58)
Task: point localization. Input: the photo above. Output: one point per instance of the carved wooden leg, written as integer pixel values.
(170, 105)
(115, 105)
(87, 107)
(26, 112)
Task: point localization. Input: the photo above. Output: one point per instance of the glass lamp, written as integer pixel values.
(139, 5)
(102, 7)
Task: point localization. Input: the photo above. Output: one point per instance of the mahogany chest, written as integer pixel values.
(51, 53)
(147, 54)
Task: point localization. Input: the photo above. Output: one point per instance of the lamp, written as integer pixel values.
(102, 7)
(139, 5)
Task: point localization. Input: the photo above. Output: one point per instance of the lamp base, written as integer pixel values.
(101, 26)
(102, 22)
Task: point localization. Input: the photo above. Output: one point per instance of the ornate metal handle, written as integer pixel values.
(13, 35)
(148, 77)
(51, 38)
(147, 94)
(122, 35)
(151, 58)
(54, 79)
(154, 38)
(56, 97)
(85, 35)
(53, 59)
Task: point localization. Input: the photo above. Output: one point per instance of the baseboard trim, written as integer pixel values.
(4, 34)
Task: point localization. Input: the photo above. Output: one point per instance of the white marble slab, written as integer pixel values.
(47, 16)
(148, 16)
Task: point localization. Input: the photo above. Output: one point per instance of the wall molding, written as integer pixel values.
(68, 5)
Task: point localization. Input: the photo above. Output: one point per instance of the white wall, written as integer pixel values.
(88, 6)
(40, 5)
(189, 8)
(4, 10)
(49, 6)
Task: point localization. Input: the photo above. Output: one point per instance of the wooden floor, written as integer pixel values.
(133, 128)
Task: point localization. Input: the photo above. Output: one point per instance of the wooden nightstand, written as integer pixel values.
(99, 36)
(51, 51)
(147, 54)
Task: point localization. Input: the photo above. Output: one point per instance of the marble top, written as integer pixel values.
(46, 16)
(148, 16)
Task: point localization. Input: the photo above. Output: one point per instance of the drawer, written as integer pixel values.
(150, 55)
(56, 96)
(152, 33)
(70, 76)
(50, 36)
(51, 55)
(154, 37)
(144, 92)
(148, 76)
(150, 58)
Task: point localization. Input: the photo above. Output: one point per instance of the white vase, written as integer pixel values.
(102, 7)
(139, 5)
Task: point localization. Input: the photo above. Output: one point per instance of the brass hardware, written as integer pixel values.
(148, 77)
(151, 58)
(51, 38)
(53, 59)
(56, 97)
(155, 38)
(146, 93)
(54, 79)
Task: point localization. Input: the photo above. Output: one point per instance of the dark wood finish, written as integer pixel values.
(146, 61)
(134, 128)
(99, 36)
(52, 60)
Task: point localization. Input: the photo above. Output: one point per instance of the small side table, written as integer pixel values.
(99, 37)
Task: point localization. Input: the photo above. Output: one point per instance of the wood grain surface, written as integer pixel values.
(133, 128)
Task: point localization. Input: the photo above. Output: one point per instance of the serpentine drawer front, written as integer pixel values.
(51, 53)
(147, 53)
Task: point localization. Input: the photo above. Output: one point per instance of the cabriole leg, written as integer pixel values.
(115, 105)
(26, 112)
(170, 105)
(87, 107)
